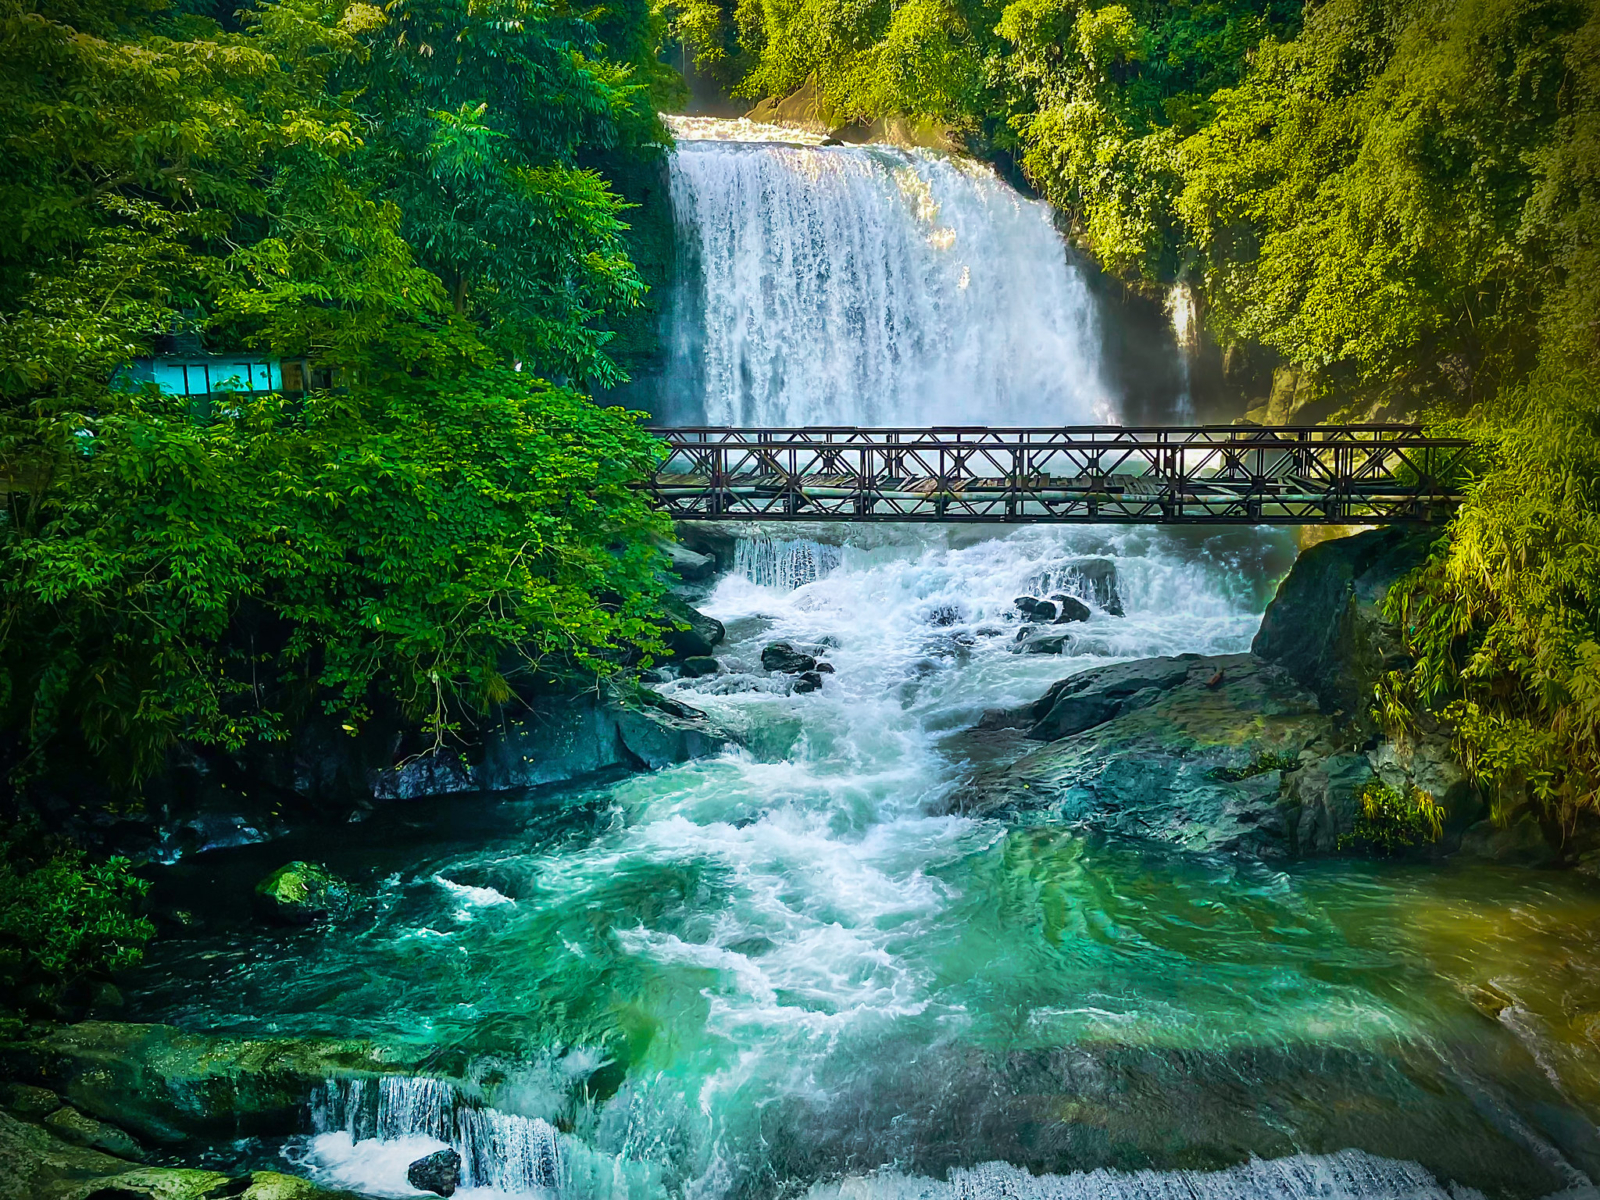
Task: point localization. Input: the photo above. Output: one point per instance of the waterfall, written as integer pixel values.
(870, 285)
(1185, 320)
(415, 1115)
(786, 563)
(1347, 1175)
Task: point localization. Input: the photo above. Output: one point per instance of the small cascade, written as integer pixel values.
(503, 1151)
(784, 564)
(1184, 315)
(1347, 1175)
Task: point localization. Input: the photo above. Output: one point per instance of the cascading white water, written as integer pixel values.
(373, 1128)
(870, 285)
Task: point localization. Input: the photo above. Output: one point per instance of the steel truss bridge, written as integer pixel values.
(1217, 475)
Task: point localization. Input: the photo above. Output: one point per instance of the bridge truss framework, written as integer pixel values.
(1221, 475)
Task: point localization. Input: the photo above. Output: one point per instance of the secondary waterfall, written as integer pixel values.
(871, 285)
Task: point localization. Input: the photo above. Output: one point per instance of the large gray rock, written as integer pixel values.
(1325, 626)
(1082, 701)
(1198, 753)
(687, 564)
(786, 659)
(561, 738)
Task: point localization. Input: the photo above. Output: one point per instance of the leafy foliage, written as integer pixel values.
(1504, 619)
(1390, 822)
(1394, 198)
(396, 194)
(63, 918)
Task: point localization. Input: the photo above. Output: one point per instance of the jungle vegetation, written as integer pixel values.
(404, 198)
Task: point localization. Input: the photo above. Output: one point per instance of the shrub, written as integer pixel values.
(1391, 821)
(64, 918)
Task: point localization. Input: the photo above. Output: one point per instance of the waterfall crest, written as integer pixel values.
(869, 285)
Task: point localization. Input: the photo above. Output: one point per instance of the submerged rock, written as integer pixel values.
(301, 893)
(439, 1172)
(784, 658)
(810, 681)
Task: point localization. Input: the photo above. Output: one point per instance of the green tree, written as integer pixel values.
(1384, 199)
(413, 538)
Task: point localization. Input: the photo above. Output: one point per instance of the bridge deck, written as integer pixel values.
(1231, 474)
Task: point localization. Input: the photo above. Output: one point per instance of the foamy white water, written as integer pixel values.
(869, 285)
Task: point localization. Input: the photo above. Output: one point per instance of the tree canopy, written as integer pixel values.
(399, 197)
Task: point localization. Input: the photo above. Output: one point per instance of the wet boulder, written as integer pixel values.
(27, 1102)
(1090, 698)
(1199, 753)
(699, 635)
(811, 681)
(1069, 608)
(301, 893)
(439, 1172)
(73, 1126)
(165, 1085)
(699, 666)
(1033, 639)
(687, 564)
(1036, 610)
(784, 658)
(1097, 578)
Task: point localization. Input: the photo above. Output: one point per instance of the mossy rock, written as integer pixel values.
(71, 1125)
(166, 1086)
(301, 893)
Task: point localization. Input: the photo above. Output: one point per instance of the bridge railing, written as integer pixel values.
(1228, 474)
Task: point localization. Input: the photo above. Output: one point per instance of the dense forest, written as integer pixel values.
(401, 196)
(1399, 198)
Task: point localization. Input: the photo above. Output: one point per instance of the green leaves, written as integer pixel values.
(426, 541)
(62, 917)
(1504, 620)
(396, 195)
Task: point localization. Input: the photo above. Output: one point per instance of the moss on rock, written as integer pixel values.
(300, 893)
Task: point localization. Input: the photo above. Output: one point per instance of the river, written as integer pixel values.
(785, 972)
